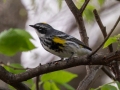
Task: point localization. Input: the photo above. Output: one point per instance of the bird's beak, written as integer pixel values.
(32, 26)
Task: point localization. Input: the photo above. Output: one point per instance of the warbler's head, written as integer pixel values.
(42, 28)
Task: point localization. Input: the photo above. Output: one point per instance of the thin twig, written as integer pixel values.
(83, 7)
(106, 37)
(115, 68)
(108, 73)
(102, 27)
(118, 71)
(37, 82)
(103, 30)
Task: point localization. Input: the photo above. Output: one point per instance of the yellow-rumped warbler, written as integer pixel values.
(60, 43)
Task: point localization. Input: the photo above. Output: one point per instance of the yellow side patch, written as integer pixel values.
(58, 40)
(81, 46)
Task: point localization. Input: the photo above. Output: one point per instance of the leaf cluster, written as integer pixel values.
(109, 86)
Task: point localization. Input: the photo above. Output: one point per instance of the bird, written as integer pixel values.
(60, 43)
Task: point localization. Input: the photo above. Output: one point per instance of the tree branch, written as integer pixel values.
(106, 37)
(6, 77)
(84, 85)
(1, 88)
(108, 73)
(19, 86)
(42, 69)
(37, 82)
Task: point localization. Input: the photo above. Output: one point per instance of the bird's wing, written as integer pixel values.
(61, 36)
(78, 42)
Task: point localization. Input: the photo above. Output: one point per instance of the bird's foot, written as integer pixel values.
(55, 62)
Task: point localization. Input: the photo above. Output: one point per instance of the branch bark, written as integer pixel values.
(42, 69)
(84, 85)
(6, 77)
(19, 86)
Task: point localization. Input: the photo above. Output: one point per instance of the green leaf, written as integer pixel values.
(47, 85)
(110, 41)
(50, 85)
(12, 70)
(68, 86)
(104, 88)
(58, 76)
(60, 3)
(29, 82)
(33, 86)
(23, 33)
(79, 3)
(4, 1)
(54, 86)
(15, 40)
(88, 13)
(108, 87)
(11, 87)
(118, 36)
(101, 2)
(118, 84)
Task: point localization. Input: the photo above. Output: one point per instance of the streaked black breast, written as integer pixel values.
(52, 45)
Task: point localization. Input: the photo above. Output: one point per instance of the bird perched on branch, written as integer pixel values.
(60, 43)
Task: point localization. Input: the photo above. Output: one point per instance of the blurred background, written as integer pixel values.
(22, 13)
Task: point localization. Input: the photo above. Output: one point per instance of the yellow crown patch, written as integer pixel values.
(44, 22)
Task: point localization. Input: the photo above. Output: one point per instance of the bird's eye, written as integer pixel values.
(42, 30)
